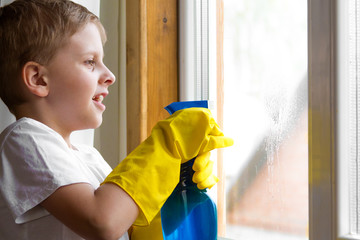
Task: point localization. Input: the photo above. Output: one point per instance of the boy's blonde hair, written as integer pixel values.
(33, 30)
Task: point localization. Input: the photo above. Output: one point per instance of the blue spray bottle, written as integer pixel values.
(189, 213)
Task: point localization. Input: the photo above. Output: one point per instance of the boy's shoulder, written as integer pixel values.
(22, 128)
(23, 124)
(12, 127)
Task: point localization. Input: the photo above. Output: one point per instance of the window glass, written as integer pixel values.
(265, 112)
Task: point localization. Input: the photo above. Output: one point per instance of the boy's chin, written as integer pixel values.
(94, 123)
(98, 123)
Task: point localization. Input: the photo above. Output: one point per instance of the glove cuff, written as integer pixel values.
(149, 189)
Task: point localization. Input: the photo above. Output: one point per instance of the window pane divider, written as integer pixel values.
(322, 112)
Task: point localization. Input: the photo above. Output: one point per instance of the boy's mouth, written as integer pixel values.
(98, 98)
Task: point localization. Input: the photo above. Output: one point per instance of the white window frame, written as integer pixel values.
(194, 50)
(344, 132)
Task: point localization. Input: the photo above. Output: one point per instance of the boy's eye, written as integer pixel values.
(91, 63)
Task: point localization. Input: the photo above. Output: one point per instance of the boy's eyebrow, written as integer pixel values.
(93, 52)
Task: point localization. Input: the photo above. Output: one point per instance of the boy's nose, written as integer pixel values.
(108, 77)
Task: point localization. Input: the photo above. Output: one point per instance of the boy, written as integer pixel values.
(53, 80)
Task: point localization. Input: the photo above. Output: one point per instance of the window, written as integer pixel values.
(333, 118)
(265, 111)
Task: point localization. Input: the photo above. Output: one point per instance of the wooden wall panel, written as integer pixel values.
(162, 59)
(152, 75)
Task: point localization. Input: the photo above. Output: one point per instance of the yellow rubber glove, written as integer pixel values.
(150, 173)
(153, 231)
(204, 178)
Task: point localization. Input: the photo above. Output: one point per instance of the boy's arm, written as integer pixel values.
(151, 171)
(148, 174)
(104, 213)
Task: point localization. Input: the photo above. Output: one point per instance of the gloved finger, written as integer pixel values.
(213, 142)
(208, 183)
(204, 173)
(215, 129)
(201, 161)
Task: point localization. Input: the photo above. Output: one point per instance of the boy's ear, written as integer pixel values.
(34, 79)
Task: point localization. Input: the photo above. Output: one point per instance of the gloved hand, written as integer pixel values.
(204, 178)
(150, 173)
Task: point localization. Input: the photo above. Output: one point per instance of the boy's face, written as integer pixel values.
(78, 81)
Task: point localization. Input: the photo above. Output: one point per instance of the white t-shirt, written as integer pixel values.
(34, 162)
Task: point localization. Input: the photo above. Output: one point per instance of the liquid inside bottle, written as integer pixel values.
(189, 213)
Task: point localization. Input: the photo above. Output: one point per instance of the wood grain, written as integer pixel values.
(152, 65)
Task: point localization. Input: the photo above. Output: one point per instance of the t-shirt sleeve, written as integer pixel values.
(34, 163)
